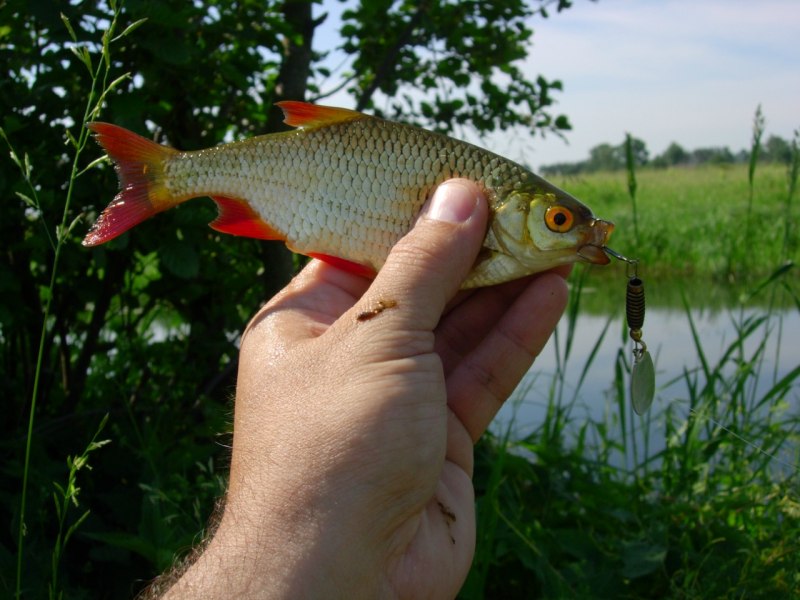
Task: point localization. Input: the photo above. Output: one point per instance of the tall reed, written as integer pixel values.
(630, 168)
(63, 498)
(99, 71)
(791, 176)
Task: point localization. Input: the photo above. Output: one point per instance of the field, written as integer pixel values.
(699, 221)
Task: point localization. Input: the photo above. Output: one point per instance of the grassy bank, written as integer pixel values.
(586, 509)
(698, 222)
(583, 508)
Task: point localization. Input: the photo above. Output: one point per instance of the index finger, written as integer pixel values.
(484, 378)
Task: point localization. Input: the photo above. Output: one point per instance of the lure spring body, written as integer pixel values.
(634, 305)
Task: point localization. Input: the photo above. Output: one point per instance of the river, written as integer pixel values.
(669, 337)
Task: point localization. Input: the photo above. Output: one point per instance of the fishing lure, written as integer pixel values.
(643, 378)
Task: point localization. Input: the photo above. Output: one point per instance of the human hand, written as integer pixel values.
(357, 407)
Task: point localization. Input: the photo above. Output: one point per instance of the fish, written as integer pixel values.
(344, 187)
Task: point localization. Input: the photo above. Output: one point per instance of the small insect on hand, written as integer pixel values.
(380, 306)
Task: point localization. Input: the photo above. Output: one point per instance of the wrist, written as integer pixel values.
(293, 553)
(234, 564)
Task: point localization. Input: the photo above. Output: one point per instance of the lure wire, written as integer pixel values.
(642, 371)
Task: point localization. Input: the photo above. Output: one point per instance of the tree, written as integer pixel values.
(146, 326)
(605, 157)
(462, 55)
(672, 156)
(777, 150)
(716, 156)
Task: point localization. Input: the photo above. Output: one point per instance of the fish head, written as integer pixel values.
(544, 227)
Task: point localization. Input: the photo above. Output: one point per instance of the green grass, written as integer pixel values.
(100, 85)
(692, 221)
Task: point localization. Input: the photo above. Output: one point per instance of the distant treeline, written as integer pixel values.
(606, 157)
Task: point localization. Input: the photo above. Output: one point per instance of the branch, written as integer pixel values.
(292, 80)
(383, 71)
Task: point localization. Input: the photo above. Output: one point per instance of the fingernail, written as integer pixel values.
(452, 202)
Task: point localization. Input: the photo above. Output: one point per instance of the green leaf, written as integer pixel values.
(92, 164)
(82, 53)
(180, 259)
(79, 461)
(68, 25)
(74, 527)
(130, 29)
(26, 199)
(95, 445)
(562, 122)
(641, 558)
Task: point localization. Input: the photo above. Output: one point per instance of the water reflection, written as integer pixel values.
(670, 341)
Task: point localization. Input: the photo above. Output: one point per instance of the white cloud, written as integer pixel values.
(677, 70)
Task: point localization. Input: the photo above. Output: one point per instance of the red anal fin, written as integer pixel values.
(345, 265)
(236, 217)
(303, 114)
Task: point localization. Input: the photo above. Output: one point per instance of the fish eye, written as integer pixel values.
(559, 219)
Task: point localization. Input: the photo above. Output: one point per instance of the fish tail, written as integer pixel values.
(140, 168)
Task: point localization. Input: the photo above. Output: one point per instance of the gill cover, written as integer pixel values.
(533, 232)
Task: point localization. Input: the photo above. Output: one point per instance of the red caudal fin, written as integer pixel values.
(139, 163)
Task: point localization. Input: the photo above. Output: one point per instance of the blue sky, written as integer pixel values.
(689, 71)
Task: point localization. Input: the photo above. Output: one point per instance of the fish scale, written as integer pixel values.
(346, 187)
(367, 212)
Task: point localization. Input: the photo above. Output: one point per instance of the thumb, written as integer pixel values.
(426, 267)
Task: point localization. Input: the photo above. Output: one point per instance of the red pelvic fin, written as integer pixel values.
(238, 218)
(345, 265)
(304, 114)
(139, 163)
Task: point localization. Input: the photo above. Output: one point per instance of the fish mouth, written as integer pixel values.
(597, 234)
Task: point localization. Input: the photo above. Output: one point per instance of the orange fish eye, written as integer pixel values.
(559, 219)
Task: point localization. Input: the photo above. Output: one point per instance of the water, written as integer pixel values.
(669, 338)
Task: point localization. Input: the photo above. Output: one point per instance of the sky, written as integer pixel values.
(688, 71)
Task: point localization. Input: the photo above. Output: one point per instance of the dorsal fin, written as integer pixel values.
(304, 114)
